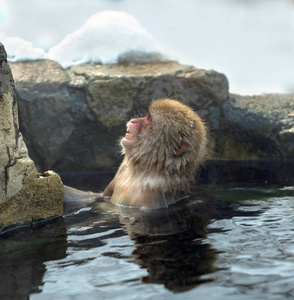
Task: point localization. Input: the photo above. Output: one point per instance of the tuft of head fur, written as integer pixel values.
(174, 126)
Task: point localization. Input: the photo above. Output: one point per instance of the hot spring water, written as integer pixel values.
(224, 242)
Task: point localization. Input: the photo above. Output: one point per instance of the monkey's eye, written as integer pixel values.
(148, 117)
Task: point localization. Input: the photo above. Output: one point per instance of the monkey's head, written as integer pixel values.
(170, 141)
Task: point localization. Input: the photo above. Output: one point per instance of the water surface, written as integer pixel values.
(224, 242)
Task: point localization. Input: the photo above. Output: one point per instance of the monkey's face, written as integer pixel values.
(171, 139)
(134, 128)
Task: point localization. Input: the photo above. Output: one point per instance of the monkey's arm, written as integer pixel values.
(72, 195)
(109, 190)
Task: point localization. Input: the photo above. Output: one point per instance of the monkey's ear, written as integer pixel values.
(180, 151)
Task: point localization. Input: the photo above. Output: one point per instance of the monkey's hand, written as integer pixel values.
(75, 195)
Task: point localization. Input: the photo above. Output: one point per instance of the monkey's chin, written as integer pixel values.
(128, 143)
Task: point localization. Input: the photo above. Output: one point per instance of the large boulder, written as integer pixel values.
(25, 195)
(71, 119)
(257, 127)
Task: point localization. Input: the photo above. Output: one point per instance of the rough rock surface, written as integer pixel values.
(71, 119)
(257, 127)
(25, 195)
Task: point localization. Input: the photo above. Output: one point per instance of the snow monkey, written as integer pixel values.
(162, 152)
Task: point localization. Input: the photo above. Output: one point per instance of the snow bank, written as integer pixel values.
(19, 49)
(107, 37)
(251, 42)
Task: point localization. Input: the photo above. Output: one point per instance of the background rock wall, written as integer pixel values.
(258, 127)
(72, 119)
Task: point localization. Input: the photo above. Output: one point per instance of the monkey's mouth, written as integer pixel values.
(129, 135)
(129, 140)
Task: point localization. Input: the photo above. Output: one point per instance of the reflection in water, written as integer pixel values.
(22, 256)
(111, 252)
(168, 244)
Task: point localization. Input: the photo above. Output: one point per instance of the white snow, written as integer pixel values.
(104, 38)
(251, 42)
(19, 49)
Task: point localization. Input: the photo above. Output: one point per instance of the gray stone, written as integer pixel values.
(257, 127)
(71, 119)
(25, 195)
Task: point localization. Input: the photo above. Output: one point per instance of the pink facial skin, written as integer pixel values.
(134, 128)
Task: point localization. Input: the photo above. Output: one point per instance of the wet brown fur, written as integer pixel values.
(162, 164)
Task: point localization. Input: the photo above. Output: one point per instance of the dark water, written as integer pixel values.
(224, 242)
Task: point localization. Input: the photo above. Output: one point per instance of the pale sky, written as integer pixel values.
(250, 41)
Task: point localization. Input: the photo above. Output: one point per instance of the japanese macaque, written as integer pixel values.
(162, 152)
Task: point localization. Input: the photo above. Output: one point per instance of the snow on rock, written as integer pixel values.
(108, 37)
(19, 49)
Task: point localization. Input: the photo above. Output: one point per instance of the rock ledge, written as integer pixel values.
(25, 195)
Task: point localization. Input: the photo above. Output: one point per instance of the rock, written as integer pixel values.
(257, 127)
(25, 195)
(72, 119)
(80, 113)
